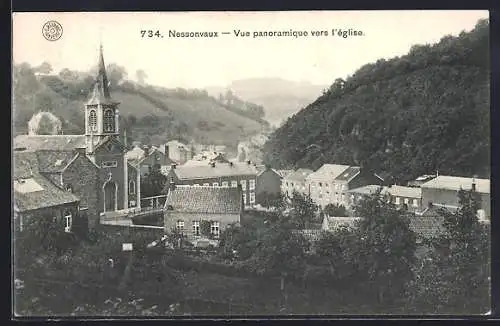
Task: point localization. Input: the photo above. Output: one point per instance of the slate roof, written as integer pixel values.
(349, 173)
(52, 161)
(49, 142)
(211, 200)
(189, 172)
(457, 183)
(328, 172)
(299, 175)
(32, 190)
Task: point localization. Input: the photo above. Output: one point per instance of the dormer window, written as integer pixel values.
(92, 121)
(109, 121)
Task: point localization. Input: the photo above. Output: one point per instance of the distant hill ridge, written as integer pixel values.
(425, 111)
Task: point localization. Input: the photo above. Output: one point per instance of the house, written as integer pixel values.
(408, 198)
(117, 185)
(187, 206)
(147, 157)
(36, 196)
(268, 182)
(443, 191)
(295, 181)
(177, 152)
(225, 175)
(330, 183)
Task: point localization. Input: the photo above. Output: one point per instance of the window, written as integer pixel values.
(234, 184)
(92, 121)
(397, 201)
(225, 184)
(196, 185)
(109, 164)
(343, 197)
(214, 229)
(415, 203)
(67, 221)
(206, 184)
(69, 188)
(179, 226)
(252, 198)
(131, 187)
(109, 121)
(243, 184)
(287, 184)
(406, 200)
(321, 184)
(196, 228)
(215, 184)
(244, 198)
(251, 184)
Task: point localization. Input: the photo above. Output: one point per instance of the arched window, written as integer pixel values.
(131, 187)
(92, 121)
(68, 221)
(109, 120)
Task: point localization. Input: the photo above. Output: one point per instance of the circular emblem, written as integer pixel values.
(52, 30)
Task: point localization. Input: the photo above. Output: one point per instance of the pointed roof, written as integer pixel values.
(100, 94)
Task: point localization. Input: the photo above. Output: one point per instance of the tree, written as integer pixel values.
(153, 182)
(270, 200)
(205, 228)
(303, 209)
(386, 246)
(335, 210)
(44, 68)
(459, 280)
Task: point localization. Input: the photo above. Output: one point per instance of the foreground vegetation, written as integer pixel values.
(263, 266)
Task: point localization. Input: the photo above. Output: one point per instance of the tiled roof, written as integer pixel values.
(31, 189)
(410, 192)
(214, 200)
(50, 161)
(299, 175)
(457, 183)
(48, 142)
(328, 172)
(427, 226)
(348, 174)
(188, 172)
(368, 190)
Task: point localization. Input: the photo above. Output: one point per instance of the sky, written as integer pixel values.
(199, 62)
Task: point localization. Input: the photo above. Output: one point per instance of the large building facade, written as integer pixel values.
(92, 166)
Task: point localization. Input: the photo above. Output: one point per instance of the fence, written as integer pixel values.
(155, 202)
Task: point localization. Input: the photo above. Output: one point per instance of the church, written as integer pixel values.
(92, 166)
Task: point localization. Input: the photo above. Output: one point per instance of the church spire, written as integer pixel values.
(100, 94)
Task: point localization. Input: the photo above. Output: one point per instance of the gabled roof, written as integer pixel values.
(368, 190)
(188, 172)
(283, 173)
(49, 142)
(300, 175)
(349, 173)
(400, 191)
(52, 161)
(211, 200)
(328, 172)
(32, 190)
(457, 183)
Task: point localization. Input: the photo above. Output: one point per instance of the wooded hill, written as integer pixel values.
(149, 114)
(428, 110)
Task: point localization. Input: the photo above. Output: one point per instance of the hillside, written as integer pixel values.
(280, 98)
(425, 111)
(149, 114)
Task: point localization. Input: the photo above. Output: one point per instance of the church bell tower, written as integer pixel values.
(101, 112)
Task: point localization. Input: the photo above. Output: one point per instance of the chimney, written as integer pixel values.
(173, 166)
(212, 164)
(231, 164)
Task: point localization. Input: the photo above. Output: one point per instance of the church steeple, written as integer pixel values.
(100, 94)
(101, 112)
